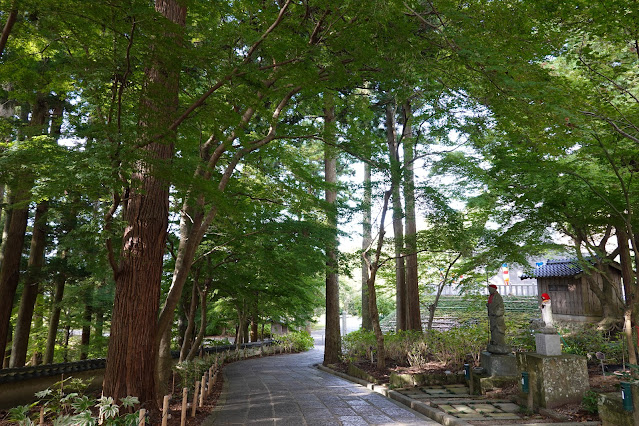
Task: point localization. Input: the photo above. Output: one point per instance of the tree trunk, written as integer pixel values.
(254, 319)
(12, 17)
(67, 337)
(433, 306)
(131, 365)
(367, 238)
(398, 228)
(413, 314)
(99, 328)
(202, 331)
(31, 288)
(12, 245)
(2, 212)
(85, 340)
(190, 326)
(333, 345)
(241, 325)
(54, 320)
(629, 284)
(372, 295)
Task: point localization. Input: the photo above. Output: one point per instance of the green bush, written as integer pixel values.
(357, 345)
(190, 371)
(587, 340)
(398, 345)
(296, 341)
(453, 347)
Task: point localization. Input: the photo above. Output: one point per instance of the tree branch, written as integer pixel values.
(8, 26)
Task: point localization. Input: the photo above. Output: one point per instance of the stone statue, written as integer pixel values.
(546, 314)
(495, 305)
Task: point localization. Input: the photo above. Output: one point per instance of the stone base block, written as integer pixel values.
(499, 365)
(481, 383)
(554, 380)
(548, 344)
(611, 410)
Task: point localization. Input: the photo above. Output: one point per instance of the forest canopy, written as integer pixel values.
(172, 168)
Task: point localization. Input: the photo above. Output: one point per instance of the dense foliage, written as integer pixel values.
(164, 165)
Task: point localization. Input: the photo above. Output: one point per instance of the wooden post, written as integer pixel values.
(41, 415)
(165, 410)
(195, 395)
(211, 381)
(185, 396)
(142, 417)
(202, 391)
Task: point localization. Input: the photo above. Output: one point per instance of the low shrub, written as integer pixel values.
(296, 341)
(64, 406)
(358, 345)
(590, 402)
(190, 371)
(453, 347)
(587, 340)
(399, 344)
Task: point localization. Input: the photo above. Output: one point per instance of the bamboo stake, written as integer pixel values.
(185, 397)
(202, 391)
(165, 410)
(142, 417)
(195, 395)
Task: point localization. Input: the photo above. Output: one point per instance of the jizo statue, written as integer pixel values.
(546, 313)
(495, 305)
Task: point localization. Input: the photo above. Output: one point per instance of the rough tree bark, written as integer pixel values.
(131, 362)
(85, 339)
(413, 312)
(54, 319)
(36, 258)
(31, 288)
(629, 280)
(12, 244)
(333, 345)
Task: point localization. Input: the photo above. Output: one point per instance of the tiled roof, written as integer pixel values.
(556, 268)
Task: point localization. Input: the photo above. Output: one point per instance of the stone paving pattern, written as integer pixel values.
(289, 390)
(457, 401)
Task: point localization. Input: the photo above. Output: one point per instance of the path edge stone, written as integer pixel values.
(430, 412)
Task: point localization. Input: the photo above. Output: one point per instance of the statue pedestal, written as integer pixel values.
(548, 343)
(554, 380)
(497, 371)
(499, 364)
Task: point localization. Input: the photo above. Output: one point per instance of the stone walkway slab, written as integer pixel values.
(289, 390)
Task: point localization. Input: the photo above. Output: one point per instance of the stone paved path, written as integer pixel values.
(288, 390)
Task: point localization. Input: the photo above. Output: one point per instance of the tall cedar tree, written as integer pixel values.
(130, 368)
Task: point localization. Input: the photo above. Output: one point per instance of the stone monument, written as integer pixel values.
(553, 378)
(547, 340)
(497, 359)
